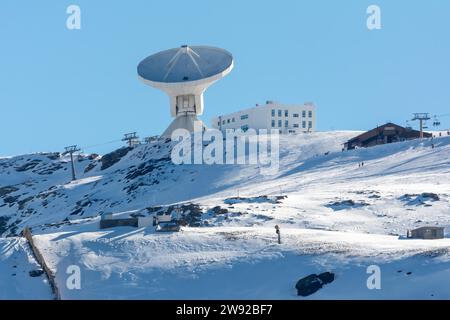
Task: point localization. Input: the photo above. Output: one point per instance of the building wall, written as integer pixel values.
(428, 233)
(129, 222)
(261, 117)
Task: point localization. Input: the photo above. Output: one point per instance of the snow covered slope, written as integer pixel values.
(16, 263)
(334, 214)
(243, 263)
(36, 189)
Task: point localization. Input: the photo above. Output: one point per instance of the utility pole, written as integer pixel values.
(421, 117)
(71, 150)
(277, 230)
(130, 138)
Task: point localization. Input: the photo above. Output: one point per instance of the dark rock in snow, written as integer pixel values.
(219, 210)
(326, 277)
(259, 199)
(76, 211)
(308, 285)
(11, 200)
(146, 168)
(429, 195)
(189, 213)
(7, 190)
(36, 273)
(420, 199)
(52, 155)
(3, 224)
(262, 217)
(346, 204)
(90, 166)
(112, 158)
(23, 202)
(312, 283)
(29, 165)
(49, 170)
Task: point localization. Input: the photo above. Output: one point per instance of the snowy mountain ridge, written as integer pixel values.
(334, 215)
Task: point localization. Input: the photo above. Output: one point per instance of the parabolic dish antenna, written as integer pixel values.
(184, 74)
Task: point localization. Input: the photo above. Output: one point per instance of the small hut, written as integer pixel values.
(427, 233)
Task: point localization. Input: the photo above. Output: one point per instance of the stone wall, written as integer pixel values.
(40, 259)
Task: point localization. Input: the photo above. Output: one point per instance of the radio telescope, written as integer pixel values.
(184, 74)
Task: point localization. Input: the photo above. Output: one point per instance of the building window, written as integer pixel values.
(244, 128)
(232, 120)
(309, 124)
(286, 113)
(218, 124)
(279, 123)
(228, 121)
(279, 113)
(295, 125)
(244, 116)
(304, 114)
(295, 115)
(286, 123)
(273, 112)
(273, 123)
(223, 122)
(304, 124)
(309, 114)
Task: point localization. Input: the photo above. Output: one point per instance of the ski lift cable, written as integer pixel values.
(101, 144)
(82, 148)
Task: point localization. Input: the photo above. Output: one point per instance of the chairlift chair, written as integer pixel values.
(436, 122)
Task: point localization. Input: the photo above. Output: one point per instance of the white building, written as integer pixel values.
(272, 115)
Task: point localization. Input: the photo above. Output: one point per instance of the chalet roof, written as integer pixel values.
(429, 228)
(376, 131)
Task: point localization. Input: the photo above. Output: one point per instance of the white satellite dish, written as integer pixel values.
(184, 74)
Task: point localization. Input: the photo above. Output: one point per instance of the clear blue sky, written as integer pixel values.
(60, 87)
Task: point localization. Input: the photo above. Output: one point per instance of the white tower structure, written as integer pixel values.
(184, 74)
